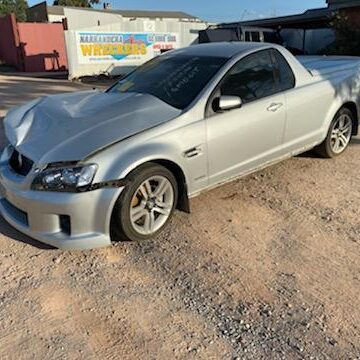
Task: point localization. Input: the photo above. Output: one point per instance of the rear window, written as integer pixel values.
(285, 73)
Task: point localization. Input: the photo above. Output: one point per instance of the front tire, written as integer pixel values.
(146, 205)
(339, 135)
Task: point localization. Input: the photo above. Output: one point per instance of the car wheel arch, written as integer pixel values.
(183, 203)
(334, 109)
(351, 105)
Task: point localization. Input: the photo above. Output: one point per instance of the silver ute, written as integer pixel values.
(84, 169)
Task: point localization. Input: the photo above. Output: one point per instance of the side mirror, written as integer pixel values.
(227, 102)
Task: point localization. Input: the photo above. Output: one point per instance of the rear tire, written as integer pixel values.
(146, 205)
(339, 135)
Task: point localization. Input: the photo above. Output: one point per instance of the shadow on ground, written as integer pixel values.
(7, 230)
(355, 141)
(311, 154)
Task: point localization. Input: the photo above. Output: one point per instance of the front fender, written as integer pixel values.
(169, 144)
(117, 161)
(117, 168)
(134, 157)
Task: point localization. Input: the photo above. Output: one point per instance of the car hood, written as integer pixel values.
(70, 127)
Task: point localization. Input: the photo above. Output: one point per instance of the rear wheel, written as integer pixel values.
(146, 205)
(339, 135)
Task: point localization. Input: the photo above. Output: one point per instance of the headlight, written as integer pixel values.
(66, 179)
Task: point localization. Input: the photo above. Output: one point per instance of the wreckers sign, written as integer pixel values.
(131, 48)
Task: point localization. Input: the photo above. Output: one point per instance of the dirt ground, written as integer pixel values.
(267, 267)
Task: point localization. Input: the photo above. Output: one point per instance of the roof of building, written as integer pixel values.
(307, 16)
(310, 17)
(343, 3)
(55, 10)
(59, 10)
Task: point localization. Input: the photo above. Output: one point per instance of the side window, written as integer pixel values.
(251, 79)
(284, 72)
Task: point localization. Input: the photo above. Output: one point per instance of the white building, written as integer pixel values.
(110, 41)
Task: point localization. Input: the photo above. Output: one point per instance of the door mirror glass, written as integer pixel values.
(227, 102)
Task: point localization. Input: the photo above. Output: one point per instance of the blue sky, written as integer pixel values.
(223, 10)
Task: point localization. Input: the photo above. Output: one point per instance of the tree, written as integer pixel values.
(76, 3)
(347, 36)
(14, 6)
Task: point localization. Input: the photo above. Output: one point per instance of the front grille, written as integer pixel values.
(20, 163)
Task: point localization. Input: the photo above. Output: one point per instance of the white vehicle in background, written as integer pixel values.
(86, 168)
(236, 32)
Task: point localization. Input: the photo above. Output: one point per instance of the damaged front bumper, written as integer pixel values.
(63, 220)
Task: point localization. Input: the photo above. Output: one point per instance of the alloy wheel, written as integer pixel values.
(151, 205)
(341, 134)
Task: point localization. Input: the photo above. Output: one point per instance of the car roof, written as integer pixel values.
(221, 49)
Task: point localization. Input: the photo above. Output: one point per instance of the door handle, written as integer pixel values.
(195, 151)
(275, 107)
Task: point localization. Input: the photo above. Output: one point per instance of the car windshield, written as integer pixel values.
(175, 79)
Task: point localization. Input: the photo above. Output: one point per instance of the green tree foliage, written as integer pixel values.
(76, 3)
(14, 6)
(347, 36)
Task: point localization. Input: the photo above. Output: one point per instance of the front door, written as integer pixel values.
(245, 138)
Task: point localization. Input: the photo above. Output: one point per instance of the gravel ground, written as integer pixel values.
(266, 267)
